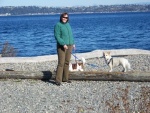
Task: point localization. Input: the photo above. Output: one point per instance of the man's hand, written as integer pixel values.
(74, 47)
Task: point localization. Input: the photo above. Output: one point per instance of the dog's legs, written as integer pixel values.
(81, 69)
(129, 67)
(110, 69)
(124, 68)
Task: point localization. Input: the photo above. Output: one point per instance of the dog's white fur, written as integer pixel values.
(112, 62)
(79, 66)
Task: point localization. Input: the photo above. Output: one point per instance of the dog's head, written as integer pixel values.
(82, 62)
(107, 55)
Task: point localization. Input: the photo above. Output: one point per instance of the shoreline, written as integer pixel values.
(139, 60)
(87, 55)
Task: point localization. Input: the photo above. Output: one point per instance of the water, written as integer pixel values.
(33, 35)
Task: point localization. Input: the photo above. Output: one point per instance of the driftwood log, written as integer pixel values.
(95, 76)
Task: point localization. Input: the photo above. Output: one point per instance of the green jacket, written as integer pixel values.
(63, 34)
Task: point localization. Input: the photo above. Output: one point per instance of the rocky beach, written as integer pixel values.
(28, 95)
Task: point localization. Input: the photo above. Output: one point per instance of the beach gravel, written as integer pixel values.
(36, 96)
(138, 63)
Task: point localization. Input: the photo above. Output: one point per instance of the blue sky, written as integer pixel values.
(58, 3)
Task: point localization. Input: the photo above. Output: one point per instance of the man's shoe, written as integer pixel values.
(68, 81)
(58, 83)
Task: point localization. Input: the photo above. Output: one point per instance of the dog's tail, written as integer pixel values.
(83, 60)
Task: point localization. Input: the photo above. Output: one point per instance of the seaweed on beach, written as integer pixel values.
(8, 50)
(121, 101)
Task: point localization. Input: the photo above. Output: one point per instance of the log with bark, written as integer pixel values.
(95, 76)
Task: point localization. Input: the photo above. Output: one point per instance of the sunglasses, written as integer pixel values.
(65, 17)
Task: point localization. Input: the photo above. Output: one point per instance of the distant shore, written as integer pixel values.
(32, 10)
(42, 14)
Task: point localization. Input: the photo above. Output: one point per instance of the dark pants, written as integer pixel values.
(64, 55)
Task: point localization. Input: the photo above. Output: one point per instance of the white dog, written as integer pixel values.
(78, 66)
(112, 62)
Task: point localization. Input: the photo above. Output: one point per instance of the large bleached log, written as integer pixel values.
(26, 75)
(95, 76)
(113, 76)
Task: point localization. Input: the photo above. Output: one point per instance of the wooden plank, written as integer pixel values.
(95, 76)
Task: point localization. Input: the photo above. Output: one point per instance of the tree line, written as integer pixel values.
(31, 10)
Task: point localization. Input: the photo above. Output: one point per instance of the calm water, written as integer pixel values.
(33, 35)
